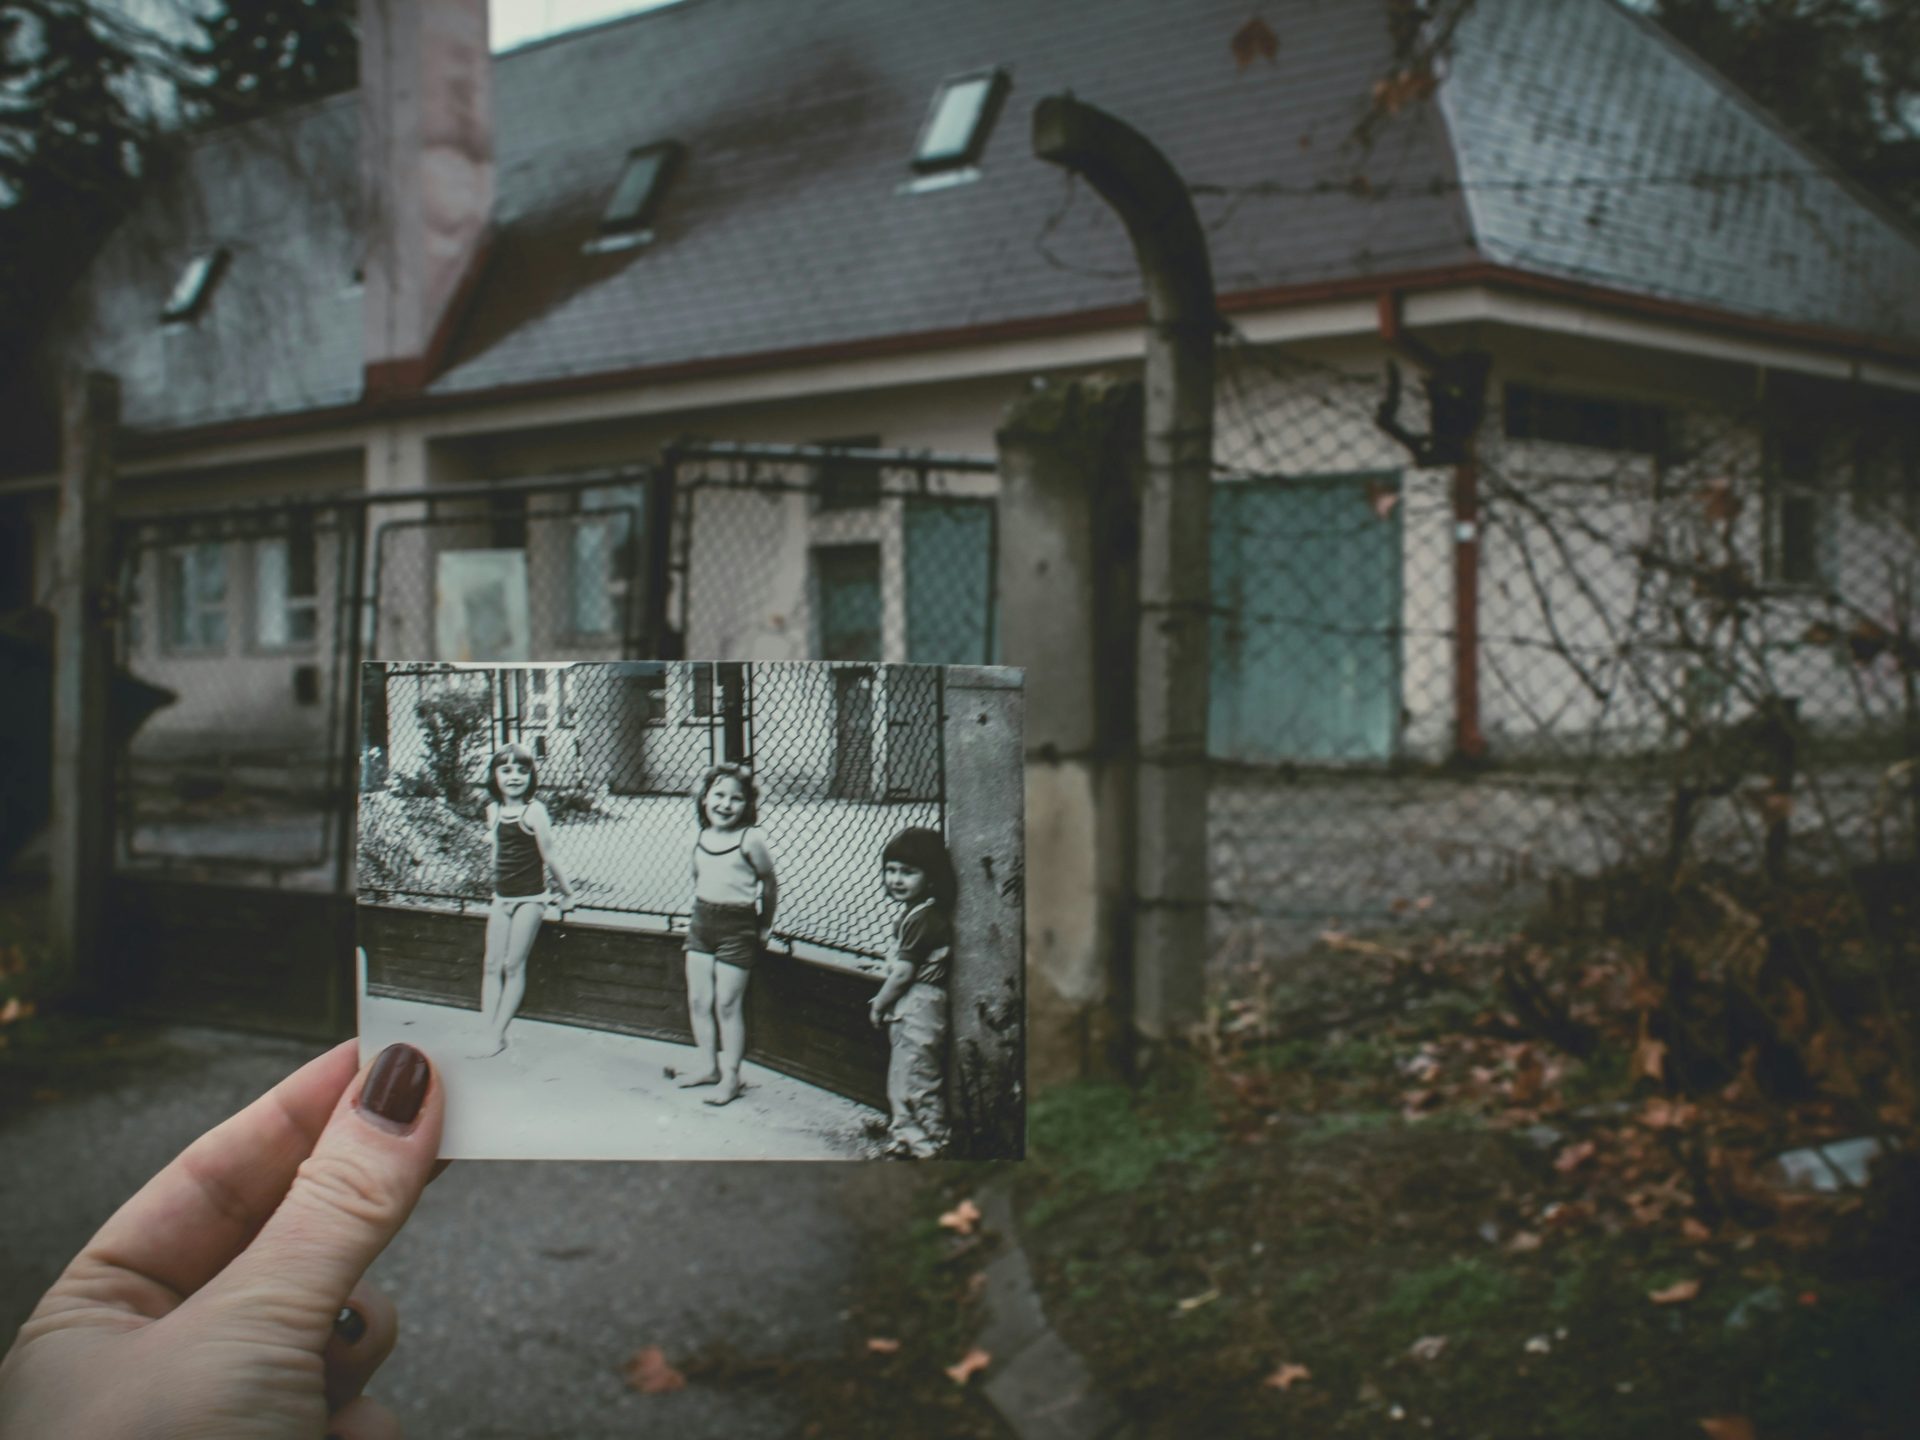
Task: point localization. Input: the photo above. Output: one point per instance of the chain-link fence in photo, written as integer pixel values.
(1607, 632)
(842, 756)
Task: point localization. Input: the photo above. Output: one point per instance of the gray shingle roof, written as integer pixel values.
(787, 227)
(1596, 149)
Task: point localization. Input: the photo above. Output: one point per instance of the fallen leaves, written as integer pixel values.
(969, 1365)
(962, 1218)
(1728, 1427)
(882, 1345)
(648, 1372)
(15, 1009)
(1428, 1347)
(1287, 1376)
(1253, 41)
(1574, 1156)
(1677, 1293)
(1194, 1302)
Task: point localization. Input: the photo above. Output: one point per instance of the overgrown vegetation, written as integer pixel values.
(1468, 1185)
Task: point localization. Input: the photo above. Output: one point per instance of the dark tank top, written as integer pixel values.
(519, 869)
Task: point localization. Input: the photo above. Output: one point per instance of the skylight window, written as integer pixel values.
(637, 195)
(195, 284)
(962, 116)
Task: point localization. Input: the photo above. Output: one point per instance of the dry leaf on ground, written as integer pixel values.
(648, 1372)
(1676, 1293)
(1194, 1302)
(1573, 1157)
(882, 1345)
(969, 1365)
(1287, 1376)
(1728, 1427)
(1428, 1347)
(962, 1218)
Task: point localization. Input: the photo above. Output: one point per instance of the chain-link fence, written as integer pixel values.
(1615, 631)
(246, 616)
(842, 757)
(835, 553)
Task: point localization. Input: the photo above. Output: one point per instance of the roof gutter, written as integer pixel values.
(1850, 350)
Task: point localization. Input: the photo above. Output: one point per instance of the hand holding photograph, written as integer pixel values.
(699, 910)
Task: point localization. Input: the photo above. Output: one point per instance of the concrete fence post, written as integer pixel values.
(984, 749)
(1069, 466)
(82, 668)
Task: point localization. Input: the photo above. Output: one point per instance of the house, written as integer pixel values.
(821, 224)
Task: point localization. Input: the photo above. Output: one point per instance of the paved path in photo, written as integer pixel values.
(565, 1092)
(522, 1288)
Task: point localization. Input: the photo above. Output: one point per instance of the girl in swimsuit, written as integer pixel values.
(735, 892)
(521, 835)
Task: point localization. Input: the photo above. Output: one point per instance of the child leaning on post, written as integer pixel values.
(917, 874)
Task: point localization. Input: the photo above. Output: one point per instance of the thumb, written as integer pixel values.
(348, 1199)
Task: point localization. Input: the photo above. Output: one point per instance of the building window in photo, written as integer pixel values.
(194, 589)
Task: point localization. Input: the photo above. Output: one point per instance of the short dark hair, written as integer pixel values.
(512, 752)
(744, 775)
(926, 852)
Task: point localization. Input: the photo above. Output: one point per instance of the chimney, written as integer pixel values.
(426, 161)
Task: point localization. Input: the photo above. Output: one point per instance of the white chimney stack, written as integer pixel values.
(426, 156)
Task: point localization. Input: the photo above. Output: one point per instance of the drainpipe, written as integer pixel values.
(1164, 986)
(1456, 392)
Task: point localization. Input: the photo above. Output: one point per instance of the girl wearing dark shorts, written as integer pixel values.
(735, 892)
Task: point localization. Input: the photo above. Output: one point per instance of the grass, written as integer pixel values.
(1280, 1208)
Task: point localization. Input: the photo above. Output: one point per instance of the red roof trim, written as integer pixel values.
(1843, 344)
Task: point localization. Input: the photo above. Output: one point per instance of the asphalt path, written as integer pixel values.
(523, 1287)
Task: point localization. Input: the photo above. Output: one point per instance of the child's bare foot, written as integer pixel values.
(690, 1080)
(725, 1095)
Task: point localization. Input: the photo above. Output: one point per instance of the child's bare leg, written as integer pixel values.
(730, 1001)
(700, 968)
(492, 966)
(524, 926)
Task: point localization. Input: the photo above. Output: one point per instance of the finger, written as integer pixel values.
(349, 1198)
(363, 1419)
(363, 1336)
(192, 1218)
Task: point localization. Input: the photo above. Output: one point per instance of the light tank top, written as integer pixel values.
(725, 876)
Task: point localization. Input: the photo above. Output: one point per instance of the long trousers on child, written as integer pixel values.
(917, 1071)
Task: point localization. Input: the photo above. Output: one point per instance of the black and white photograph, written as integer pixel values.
(680, 910)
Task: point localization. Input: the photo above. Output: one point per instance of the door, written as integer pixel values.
(949, 581)
(1306, 638)
(853, 733)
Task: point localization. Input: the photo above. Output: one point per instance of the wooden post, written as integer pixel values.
(985, 783)
(82, 666)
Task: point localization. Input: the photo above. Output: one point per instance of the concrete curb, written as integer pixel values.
(1038, 1384)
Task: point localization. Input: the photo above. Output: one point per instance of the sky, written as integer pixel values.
(516, 22)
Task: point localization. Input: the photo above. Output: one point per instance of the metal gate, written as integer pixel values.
(235, 804)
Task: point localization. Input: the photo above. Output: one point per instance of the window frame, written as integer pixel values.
(1641, 427)
(172, 600)
(635, 226)
(599, 506)
(194, 285)
(829, 501)
(291, 604)
(1799, 485)
(968, 154)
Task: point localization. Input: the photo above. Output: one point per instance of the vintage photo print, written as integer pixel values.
(699, 910)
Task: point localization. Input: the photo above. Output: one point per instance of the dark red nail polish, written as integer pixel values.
(397, 1085)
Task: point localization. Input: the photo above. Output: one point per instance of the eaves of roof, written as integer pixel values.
(1827, 342)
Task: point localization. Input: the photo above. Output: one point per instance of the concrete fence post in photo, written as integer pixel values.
(986, 1072)
(82, 667)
